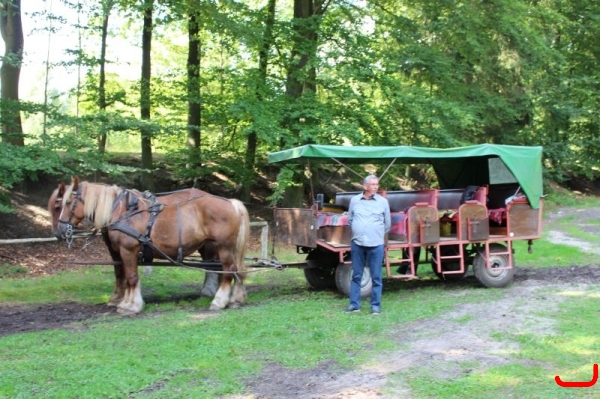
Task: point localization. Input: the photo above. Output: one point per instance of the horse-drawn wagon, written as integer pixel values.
(486, 198)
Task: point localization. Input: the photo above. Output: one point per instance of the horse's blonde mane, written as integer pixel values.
(98, 201)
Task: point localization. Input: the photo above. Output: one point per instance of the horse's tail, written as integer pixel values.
(243, 236)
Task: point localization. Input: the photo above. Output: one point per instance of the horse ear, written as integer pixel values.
(61, 190)
(75, 181)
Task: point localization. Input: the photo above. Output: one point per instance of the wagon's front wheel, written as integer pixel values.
(497, 276)
(343, 279)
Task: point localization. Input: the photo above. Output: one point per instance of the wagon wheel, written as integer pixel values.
(343, 279)
(449, 265)
(321, 271)
(493, 277)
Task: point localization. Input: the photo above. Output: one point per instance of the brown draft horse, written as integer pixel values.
(179, 228)
(207, 250)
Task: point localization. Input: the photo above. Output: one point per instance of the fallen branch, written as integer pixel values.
(27, 240)
(31, 240)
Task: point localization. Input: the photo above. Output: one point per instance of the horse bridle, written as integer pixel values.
(70, 227)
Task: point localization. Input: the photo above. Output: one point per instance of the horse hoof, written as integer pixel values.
(214, 308)
(126, 312)
(234, 305)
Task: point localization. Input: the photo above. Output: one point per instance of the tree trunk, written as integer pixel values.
(145, 100)
(107, 6)
(299, 79)
(263, 63)
(193, 87)
(11, 29)
(305, 47)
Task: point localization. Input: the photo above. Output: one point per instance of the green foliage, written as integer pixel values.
(20, 163)
(287, 178)
(428, 73)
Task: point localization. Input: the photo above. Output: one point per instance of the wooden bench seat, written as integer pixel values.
(414, 214)
(468, 220)
(449, 200)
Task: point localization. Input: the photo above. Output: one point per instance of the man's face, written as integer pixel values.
(371, 187)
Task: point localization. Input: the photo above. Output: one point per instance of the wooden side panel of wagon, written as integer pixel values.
(524, 221)
(295, 226)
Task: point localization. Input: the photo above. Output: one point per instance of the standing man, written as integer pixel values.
(369, 219)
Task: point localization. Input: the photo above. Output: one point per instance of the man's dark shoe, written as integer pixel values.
(375, 310)
(351, 309)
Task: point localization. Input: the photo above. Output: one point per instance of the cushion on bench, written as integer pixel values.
(398, 220)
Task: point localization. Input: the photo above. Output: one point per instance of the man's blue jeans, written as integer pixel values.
(372, 257)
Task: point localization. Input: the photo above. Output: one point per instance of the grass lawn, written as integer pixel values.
(176, 349)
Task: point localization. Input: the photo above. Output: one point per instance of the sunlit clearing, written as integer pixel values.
(583, 345)
(500, 380)
(580, 294)
(221, 176)
(202, 316)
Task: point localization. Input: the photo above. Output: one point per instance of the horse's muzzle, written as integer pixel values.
(62, 232)
(59, 236)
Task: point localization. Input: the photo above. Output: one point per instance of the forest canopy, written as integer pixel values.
(217, 85)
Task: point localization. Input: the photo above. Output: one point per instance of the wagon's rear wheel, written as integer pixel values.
(497, 276)
(343, 279)
(449, 265)
(321, 271)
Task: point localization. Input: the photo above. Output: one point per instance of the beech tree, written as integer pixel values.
(145, 99)
(12, 33)
(194, 119)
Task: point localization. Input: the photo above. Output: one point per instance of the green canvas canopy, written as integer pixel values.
(455, 167)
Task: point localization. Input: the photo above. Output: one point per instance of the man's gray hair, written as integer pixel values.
(369, 178)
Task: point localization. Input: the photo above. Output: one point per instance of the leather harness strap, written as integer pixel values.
(179, 248)
(145, 256)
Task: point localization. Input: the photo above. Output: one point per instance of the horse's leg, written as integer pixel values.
(221, 299)
(208, 251)
(132, 302)
(237, 253)
(119, 289)
(232, 292)
(211, 284)
(238, 293)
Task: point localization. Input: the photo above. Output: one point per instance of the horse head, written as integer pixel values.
(66, 207)
(55, 205)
